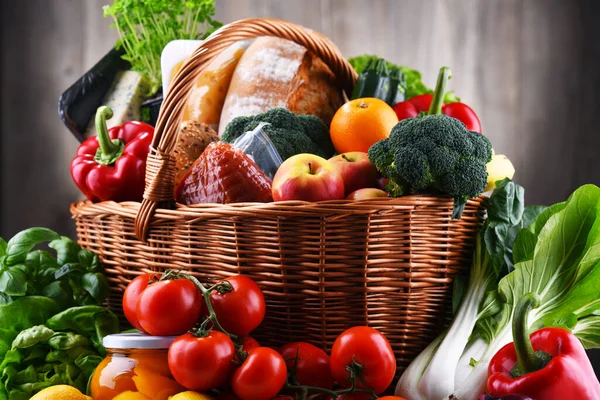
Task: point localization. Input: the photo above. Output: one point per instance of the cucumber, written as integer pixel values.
(378, 81)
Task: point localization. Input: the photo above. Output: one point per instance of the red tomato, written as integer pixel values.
(202, 363)
(241, 310)
(169, 308)
(227, 396)
(261, 376)
(355, 396)
(312, 366)
(369, 348)
(131, 296)
(247, 345)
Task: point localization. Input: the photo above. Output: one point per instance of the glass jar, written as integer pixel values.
(135, 363)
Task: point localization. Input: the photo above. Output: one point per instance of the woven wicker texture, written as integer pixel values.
(324, 267)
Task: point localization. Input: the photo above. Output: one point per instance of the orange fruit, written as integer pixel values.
(360, 123)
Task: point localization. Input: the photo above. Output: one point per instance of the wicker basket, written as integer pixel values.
(324, 267)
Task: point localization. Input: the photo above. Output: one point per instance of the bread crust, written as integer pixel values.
(192, 139)
(275, 72)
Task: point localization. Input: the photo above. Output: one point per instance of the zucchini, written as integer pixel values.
(376, 80)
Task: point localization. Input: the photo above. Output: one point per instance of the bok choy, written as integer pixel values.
(554, 252)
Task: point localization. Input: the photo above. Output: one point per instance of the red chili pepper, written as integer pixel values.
(549, 365)
(112, 165)
(433, 104)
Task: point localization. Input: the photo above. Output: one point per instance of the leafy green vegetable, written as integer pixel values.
(23, 242)
(414, 82)
(557, 256)
(505, 209)
(51, 321)
(145, 27)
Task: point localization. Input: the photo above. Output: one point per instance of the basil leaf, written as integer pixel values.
(67, 251)
(89, 260)
(32, 336)
(24, 241)
(3, 245)
(13, 282)
(43, 265)
(96, 285)
(68, 269)
(61, 292)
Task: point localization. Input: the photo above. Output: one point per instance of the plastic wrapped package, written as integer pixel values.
(78, 104)
(257, 145)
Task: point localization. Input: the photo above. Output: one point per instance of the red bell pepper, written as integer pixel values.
(112, 165)
(433, 104)
(548, 365)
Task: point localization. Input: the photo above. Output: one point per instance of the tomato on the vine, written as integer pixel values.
(202, 363)
(261, 376)
(132, 294)
(169, 307)
(248, 344)
(366, 350)
(241, 310)
(310, 363)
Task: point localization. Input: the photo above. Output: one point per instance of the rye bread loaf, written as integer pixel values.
(275, 72)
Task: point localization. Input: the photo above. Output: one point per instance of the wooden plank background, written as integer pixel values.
(530, 68)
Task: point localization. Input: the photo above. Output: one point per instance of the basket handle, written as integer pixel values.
(160, 166)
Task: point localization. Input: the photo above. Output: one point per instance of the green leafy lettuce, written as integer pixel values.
(51, 319)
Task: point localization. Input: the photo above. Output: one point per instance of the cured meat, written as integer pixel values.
(224, 175)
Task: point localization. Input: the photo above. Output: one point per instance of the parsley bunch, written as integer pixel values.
(146, 26)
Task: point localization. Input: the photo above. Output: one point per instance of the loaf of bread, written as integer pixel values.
(193, 138)
(207, 97)
(275, 72)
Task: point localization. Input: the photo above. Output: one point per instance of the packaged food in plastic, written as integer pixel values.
(257, 145)
(223, 174)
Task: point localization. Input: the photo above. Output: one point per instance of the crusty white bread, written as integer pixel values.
(207, 97)
(275, 72)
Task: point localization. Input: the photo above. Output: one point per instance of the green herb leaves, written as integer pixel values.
(51, 321)
(72, 278)
(145, 27)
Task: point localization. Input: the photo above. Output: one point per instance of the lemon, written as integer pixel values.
(60, 392)
(129, 395)
(190, 396)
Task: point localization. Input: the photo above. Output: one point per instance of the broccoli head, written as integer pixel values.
(434, 153)
(291, 134)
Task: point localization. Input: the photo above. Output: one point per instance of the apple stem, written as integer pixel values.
(345, 158)
(310, 168)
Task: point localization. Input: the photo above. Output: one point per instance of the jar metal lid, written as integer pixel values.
(137, 341)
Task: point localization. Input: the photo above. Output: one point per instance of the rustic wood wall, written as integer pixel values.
(531, 69)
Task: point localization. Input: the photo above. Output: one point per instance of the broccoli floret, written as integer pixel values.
(434, 153)
(291, 134)
(317, 131)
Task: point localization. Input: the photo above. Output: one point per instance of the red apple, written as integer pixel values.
(356, 171)
(366, 193)
(307, 177)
